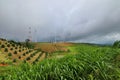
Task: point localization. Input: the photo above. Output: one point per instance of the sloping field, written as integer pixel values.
(18, 53)
(89, 63)
(52, 47)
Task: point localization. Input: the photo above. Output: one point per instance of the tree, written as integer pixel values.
(27, 41)
(6, 50)
(116, 44)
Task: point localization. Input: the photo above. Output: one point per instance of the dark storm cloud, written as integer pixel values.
(71, 20)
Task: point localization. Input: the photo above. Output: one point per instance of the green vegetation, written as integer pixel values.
(2, 46)
(16, 48)
(9, 54)
(15, 52)
(8, 45)
(84, 62)
(6, 50)
(24, 54)
(28, 58)
(11, 49)
(28, 44)
(4, 59)
(13, 45)
(19, 50)
(19, 57)
(116, 44)
(14, 60)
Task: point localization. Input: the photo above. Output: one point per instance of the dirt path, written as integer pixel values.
(3, 64)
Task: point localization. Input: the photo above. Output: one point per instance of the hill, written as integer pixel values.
(90, 62)
(52, 47)
(18, 53)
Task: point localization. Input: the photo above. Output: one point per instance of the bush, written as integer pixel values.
(19, 57)
(8, 45)
(15, 52)
(116, 44)
(33, 62)
(22, 49)
(19, 50)
(3, 46)
(9, 54)
(24, 61)
(16, 48)
(24, 54)
(28, 58)
(12, 41)
(18, 43)
(27, 52)
(6, 50)
(31, 55)
(11, 48)
(13, 45)
(14, 60)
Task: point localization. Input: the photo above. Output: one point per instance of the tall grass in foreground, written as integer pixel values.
(91, 63)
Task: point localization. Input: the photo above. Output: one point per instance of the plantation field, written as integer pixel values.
(82, 62)
(52, 47)
(12, 52)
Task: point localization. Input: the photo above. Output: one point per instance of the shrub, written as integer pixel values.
(16, 48)
(3, 46)
(6, 50)
(11, 48)
(13, 45)
(31, 55)
(15, 52)
(9, 54)
(19, 57)
(36, 60)
(8, 45)
(19, 50)
(27, 52)
(24, 61)
(11, 41)
(116, 44)
(24, 54)
(28, 58)
(22, 49)
(14, 60)
(2, 39)
(18, 43)
(33, 62)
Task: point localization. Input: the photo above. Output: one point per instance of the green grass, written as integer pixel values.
(84, 62)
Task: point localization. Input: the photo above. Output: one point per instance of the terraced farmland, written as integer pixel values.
(19, 53)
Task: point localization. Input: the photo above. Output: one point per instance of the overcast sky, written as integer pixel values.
(94, 21)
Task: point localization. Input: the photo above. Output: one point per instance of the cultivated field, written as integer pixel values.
(17, 53)
(78, 62)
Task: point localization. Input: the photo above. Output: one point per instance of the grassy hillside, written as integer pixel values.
(4, 60)
(89, 62)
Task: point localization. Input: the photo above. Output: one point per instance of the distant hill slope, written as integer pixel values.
(52, 47)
